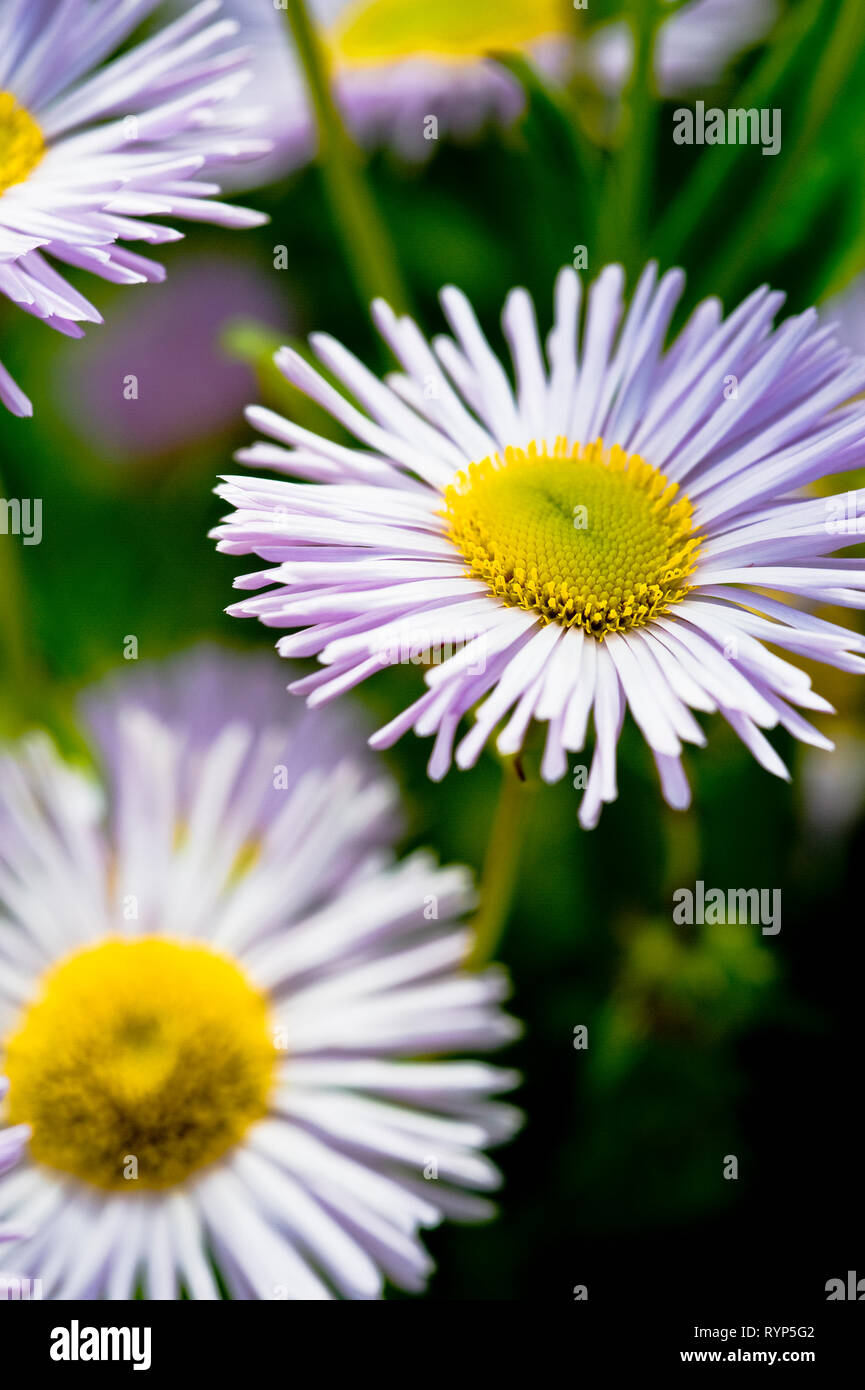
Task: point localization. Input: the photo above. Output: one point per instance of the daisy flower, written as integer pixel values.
(394, 63)
(89, 153)
(621, 527)
(214, 979)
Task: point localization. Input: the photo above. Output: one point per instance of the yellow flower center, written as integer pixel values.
(585, 537)
(22, 144)
(139, 1062)
(370, 32)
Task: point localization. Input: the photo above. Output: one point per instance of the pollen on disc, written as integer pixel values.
(585, 537)
(139, 1062)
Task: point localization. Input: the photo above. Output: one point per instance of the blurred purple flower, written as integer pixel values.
(181, 384)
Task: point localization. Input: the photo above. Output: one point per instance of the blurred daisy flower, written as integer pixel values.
(597, 537)
(211, 994)
(89, 153)
(396, 64)
(190, 388)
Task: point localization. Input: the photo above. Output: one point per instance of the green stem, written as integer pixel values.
(564, 125)
(19, 666)
(365, 240)
(501, 866)
(630, 178)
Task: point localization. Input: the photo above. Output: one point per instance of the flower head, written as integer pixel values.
(91, 151)
(406, 74)
(214, 981)
(622, 527)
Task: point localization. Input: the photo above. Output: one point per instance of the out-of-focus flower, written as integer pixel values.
(833, 789)
(597, 538)
(396, 64)
(91, 151)
(407, 73)
(184, 385)
(845, 313)
(212, 991)
(693, 47)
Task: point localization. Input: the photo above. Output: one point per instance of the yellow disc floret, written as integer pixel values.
(372, 32)
(22, 143)
(586, 537)
(139, 1062)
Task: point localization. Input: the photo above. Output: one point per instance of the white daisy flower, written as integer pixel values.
(89, 153)
(620, 528)
(213, 983)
